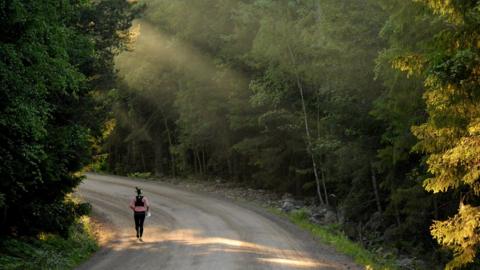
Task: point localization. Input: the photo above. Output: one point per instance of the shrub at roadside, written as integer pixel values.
(49, 251)
(144, 175)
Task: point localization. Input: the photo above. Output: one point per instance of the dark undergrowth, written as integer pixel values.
(49, 251)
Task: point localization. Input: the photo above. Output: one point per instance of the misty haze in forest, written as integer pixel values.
(368, 109)
(314, 98)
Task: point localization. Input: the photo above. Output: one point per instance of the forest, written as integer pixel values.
(369, 106)
(56, 67)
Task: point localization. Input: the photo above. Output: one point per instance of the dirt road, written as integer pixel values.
(197, 231)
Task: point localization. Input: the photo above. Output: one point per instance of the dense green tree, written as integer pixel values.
(407, 30)
(51, 53)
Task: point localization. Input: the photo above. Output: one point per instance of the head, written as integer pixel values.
(139, 191)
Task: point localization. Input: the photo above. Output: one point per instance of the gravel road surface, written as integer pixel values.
(196, 231)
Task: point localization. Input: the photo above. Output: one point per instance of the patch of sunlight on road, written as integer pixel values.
(296, 263)
(156, 238)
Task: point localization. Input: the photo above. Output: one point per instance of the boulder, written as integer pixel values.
(322, 215)
(330, 217)
(288, 205)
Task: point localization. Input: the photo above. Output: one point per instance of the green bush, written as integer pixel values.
(52, 218)
(56, 60)
(49, 251)
(83, 209)
(144, 175)
(99, 163)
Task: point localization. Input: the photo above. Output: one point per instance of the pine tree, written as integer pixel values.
(451, 135)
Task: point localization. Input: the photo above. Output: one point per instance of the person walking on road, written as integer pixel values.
(140, 206)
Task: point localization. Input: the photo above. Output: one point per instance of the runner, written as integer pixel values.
(139, 204)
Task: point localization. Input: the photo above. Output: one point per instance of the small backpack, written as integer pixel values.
(139, 201)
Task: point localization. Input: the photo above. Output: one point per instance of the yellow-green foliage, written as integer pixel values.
(460, 234)
(451, 135)
(410, 64)
(446, 8)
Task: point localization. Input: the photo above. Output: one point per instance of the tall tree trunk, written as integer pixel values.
(318, 115)
(157, 145)
(134, 156)
(204, 163)
(229, 166)
(144, 165)
(307, 129)
(397, 214)
(236, 163)
(170, 145)
(360, 233)
(199, 162)
(195, 166)
(324, 186)
(375, 189)
(127, 157)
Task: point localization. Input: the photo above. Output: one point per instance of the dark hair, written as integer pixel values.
(139, 191)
